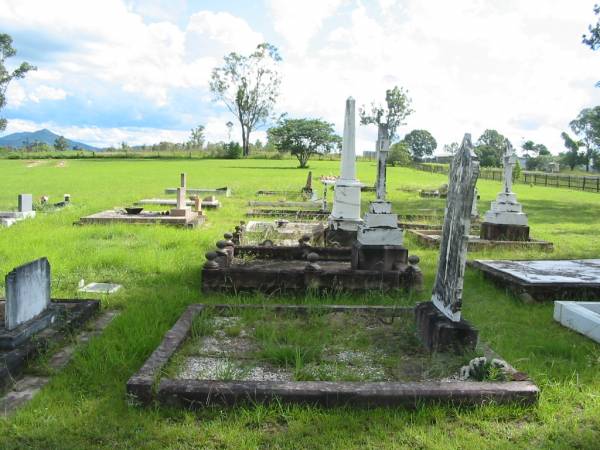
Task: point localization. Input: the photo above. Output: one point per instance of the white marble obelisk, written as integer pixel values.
(506, 210)
(345, 214)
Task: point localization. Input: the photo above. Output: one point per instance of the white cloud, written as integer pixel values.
(17, 95)
(43, 92)
(299, 21)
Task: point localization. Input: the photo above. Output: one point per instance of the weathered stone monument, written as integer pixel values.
(181, 209)
(439, 321)
(26, 310)
(378, 243)
(506, 219)
(345, 215)
(24, 211)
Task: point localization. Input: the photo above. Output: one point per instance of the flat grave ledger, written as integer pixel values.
(326, 355)
(224, 191)
(192, 219)
(208, 202)
(432, 238)
(101, 288)
(281, 232)
(545, 280)
(582, 317)
(288, 214)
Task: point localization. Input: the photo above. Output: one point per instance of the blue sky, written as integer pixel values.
(138, 71)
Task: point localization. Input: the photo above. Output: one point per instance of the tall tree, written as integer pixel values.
(490, 148)
(61, 144)
(197, 137)
(587, 127)
(303, 138)
(7, 51)
(390, 116)
(420, 143)
(451, 148)
(249, 87)
(573, 157)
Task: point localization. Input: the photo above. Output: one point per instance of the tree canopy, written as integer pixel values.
(249, 87)
(7, 51)
(390, 116)
(61, 144)
(573, 156)
(196, 137)
(420, 143)
(587, 127)
(490, 148)
(399, 154)
(303, 138)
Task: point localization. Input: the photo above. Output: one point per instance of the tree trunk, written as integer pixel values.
(247, 149)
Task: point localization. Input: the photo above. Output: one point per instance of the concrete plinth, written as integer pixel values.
(378, 257)
(504, 232)
(439, 334)
(340, 237)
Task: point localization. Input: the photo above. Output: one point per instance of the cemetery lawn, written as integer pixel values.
(85, 406)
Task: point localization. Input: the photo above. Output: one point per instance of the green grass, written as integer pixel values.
(85, 406)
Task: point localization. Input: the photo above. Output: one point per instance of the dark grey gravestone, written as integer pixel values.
(447, 330)
(27, 292)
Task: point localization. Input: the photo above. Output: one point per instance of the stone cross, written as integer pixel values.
(27, 292)
(509, 161)
(182, 194)
(448, 286)
(383, 147)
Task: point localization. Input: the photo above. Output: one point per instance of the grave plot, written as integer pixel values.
(328, 355)
(181, 215)
(209, 202)
(289, 214)
(432, 238)
(194, 199)
(31, 321)
(368, 253)
(224, 191)
(281, 233)
(545, 280)
(306, 192)
(24, 211)
(582, 317)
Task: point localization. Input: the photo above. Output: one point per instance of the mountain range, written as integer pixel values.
(23, 139)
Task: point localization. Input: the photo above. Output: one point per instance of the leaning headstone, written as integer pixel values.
(181, 208)
(506, 219)
(345, 215)
(439, 321)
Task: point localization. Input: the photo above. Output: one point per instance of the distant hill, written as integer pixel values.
(20, 140)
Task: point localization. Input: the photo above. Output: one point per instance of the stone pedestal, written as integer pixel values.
(378, 257)
(503, 232)
(440, 334)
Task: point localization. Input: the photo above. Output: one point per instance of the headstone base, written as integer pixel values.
(440, 334)
(10, 339)
(503, 232)
(378, 257)
(339, 237)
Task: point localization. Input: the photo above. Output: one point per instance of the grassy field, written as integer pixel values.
(85, 406)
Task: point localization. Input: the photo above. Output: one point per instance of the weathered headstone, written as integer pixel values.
(439, 321)
(27, 292)
(474, 210)
(345, 215)
(378, 243)
(25, 203)
(181, 208)
(506, 219)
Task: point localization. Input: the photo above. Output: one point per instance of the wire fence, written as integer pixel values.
(577, 182)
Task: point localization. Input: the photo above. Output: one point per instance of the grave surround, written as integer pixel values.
(582, 317)
(202, 393)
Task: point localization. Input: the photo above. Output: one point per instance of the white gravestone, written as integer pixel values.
(345, 214)
(27, 292)
(448, 285)
(506, 210)
(380, 225)
(25, 203)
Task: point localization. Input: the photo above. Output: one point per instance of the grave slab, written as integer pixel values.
(101, 288)
(545, 280)
(147, 218)
(205, 203)
(583, 317)
(225, 191)
(432, 238)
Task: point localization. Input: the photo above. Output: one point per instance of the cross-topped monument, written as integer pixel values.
(383, 148)
(506, 220)
(439, 321)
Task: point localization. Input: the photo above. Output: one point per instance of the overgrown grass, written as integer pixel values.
(85, 406)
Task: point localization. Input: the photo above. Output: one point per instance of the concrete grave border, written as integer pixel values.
(432, 238)
(146, 387)
(579, 317)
